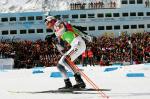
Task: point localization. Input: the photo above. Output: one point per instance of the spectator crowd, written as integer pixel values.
(104, 50)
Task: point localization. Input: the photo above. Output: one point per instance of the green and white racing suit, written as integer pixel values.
(77, 44)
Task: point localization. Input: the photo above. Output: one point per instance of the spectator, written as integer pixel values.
(84, 58)
(27, 53)
(90, 57)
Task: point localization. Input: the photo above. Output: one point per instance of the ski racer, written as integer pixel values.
(66, 32)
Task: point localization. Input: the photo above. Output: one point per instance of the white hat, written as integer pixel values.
(49, 18)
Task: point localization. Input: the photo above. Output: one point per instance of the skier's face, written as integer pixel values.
(50, 25)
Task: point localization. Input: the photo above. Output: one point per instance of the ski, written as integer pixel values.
(62, 91)
(83, 89)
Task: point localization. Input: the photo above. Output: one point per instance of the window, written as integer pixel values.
(140, 14)
(23, 31)
(148, 25)
(125, 26)
(133, 26)
(13, 31)
(4, 19)
(91, 28)
(49, 30)
(116, 15)
(22, 18)
(108, 15)
(83, 16)
(31, 18)
(124, 2)
(31, 31)
(116, 27)
(100, 15)
(108, 27)
(101, 28)
(124, 14)
(132, 14)
(141, 26)
(148, 13)
(39, 30)
(75, 16)
(58, 16)
(131, 1)
(5, 32)
(39, 17)
(84, 28)
(91, 16)
(65, 16)
(139, 1)
(12, 18)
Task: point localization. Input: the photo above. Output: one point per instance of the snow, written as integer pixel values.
(34, 5)
(122, 87)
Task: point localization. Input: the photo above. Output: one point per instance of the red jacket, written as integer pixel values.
(90, 54)
(84, 54)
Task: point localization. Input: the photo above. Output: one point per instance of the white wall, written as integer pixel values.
(7, 63)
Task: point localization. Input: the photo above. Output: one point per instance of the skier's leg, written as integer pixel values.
(79, 81)
(63, 71)
(73, 53)
(61, 67)
(79, 49)
(63, 62)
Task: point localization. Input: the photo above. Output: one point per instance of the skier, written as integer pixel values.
(64, 31)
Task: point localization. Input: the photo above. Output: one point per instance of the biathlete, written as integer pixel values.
(64, 31)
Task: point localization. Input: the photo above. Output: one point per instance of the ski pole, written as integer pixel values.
(101, 93)
(75, 68)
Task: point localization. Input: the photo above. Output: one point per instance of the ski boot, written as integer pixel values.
(80, 83)
(68, 84)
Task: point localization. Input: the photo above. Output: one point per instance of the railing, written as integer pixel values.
(93, 5)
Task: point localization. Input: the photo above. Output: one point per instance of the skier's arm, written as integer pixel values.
(60, 48)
